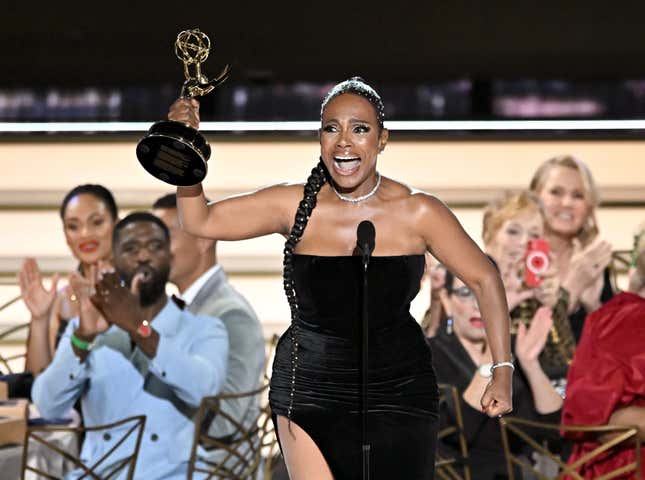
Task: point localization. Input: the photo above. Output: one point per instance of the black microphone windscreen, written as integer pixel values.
(365, 234)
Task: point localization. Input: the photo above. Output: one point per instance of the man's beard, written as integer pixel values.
(151, 290)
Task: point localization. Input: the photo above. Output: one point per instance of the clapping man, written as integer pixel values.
(134, 351)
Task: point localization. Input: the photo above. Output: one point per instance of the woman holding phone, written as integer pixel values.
(513, 235)
(581, 258)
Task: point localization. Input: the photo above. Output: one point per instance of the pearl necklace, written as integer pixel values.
(362, 197)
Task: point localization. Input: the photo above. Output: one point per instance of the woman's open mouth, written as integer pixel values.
(346, 165)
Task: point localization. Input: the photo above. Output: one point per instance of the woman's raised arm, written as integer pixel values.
(258, 213)
(452, 246)
(265, 211)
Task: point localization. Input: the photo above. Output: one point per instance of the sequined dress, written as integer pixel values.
(402, 392)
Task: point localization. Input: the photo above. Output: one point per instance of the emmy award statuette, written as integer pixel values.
(173, 151)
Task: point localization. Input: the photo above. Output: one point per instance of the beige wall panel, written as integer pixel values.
(248, 165)
(511, 163)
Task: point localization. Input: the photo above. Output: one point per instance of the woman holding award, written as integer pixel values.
(315, 394)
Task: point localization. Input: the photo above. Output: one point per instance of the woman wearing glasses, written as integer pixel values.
(463, 358)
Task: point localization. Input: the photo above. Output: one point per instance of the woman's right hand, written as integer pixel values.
(516, 292)
(185, 110)
(37, 298)
(548, 291)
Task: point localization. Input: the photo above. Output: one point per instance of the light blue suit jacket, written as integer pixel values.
(116, 381)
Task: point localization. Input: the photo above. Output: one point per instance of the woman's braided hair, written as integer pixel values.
(314, 183)
(318, 177)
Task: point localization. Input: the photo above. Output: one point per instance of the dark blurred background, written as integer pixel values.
(430, 60)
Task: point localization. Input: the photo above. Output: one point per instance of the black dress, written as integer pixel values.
(402, 392)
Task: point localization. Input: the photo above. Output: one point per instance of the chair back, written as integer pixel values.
(271, 450)
(452, 468)
(605, 437)
(242, 453)
(107, 467)
(6, 360)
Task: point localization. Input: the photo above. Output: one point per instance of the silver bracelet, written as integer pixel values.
(501, 364)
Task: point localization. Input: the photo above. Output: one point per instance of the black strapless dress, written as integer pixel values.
(402, 392)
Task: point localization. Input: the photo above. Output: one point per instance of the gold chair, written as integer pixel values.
(525, 430)
(252, 446)
(5, 360)
(272, 459)
(240, 455)
(452, 468)
(133, 426)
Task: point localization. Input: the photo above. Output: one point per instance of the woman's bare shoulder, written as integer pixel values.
(416, 201)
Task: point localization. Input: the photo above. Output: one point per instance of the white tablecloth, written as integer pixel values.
(41, 456)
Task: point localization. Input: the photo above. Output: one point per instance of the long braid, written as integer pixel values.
(314, 183)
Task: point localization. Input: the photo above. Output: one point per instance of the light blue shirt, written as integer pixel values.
(116, 381)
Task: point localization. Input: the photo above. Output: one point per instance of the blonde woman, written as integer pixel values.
(569, 194)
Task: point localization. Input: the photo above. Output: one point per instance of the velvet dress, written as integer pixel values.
(402, 390)
(607, 373)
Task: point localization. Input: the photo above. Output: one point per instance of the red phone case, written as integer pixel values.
(537, 261)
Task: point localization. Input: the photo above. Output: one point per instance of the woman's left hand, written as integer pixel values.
(516, 293)
(531, 341)
(498, 396)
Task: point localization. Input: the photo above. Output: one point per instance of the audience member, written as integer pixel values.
(133, 352)
(88, 213)
(435, 316)
(605, 383)
(205, 289)
(463, 359)
(570, 197)
(510, 223)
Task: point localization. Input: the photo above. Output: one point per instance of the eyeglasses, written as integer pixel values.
(464, 293)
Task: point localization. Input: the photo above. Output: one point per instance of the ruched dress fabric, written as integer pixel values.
(402, 389)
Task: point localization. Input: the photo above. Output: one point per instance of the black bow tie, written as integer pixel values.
(179, 302)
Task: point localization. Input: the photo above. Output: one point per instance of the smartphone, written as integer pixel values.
(536, 261)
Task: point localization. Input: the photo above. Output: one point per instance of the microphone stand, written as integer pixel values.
(366, 447)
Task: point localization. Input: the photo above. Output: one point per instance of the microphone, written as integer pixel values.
(365, 234)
